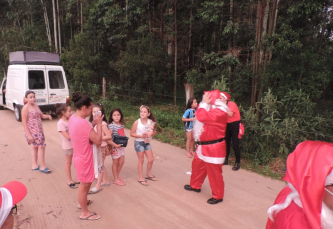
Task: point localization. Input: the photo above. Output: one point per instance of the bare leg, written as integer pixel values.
(150, 157)
(82, 197)
(68, 164)
(34, 151)
(105, 175)
(115, 165)
(188, 144)
(41, 157)
(99, 179)
(140, 165)
(121, 163)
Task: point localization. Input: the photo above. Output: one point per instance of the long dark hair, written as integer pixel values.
(189, 103)
(91, 118)
(151, 116)
(81, 100)
(122, 121)
(61, 109)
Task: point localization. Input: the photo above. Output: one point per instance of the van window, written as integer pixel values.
(36, 79)
(56, 80)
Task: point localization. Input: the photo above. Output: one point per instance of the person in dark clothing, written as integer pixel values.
(232, 131)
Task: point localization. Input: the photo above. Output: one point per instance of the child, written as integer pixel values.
(140, 133)
(116, 126)
(102, 150)
(64, 112)
(32, 123)
(188, 118)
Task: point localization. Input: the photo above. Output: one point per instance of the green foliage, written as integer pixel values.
(283, 124)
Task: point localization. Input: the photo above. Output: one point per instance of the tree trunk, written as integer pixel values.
(81, 17)
(55, 26)
(59, 32)
(175, 82)
(47, 24)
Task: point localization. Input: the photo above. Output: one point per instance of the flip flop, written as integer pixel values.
(104, 185)
(35, 169)
(88, 203)
(77, 182)
(94, 190)
(143, 182)
(88, 218)
(153, 178)
(189, 155)
(72, 185)
(120, 183)
(46, 170)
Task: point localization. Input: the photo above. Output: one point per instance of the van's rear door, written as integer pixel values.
(58, 89)
(37, 82)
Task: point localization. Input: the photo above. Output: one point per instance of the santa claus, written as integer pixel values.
(209, 133)
(307, 201)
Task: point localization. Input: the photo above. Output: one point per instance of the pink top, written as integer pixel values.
(79, 131)
(236, 116)
(104, 143)
(63, 126)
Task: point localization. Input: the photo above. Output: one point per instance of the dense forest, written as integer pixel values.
(273, 56)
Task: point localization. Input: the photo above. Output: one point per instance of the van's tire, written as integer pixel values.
(17, 112)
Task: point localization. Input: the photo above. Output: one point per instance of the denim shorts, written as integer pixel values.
(141, 146)
(188, 129)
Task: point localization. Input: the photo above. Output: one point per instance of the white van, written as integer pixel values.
(36, 71)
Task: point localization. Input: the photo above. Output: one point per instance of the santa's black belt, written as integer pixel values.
(209, 142)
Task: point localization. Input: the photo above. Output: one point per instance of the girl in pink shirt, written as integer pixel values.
(83, 136)
(64, 112)
(103, 149)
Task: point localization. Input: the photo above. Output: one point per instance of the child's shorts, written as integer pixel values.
(105, 150)
(188, 129)
(68, 151)
(141, 146)
(118, 152)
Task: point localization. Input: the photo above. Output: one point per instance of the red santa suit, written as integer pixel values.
(307, 168)
(209, 133)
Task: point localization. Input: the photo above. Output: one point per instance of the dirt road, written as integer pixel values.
(50, 203)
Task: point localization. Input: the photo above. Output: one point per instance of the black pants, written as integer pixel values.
(232, 133)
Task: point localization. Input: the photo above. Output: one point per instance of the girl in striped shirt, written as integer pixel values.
(116, 127)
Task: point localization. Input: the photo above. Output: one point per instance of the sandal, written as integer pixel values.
(143, 182)
(120, 183)
(72, 185)
(77, 182)
(94, 190)
(105, 184)
(35, 169)
(46, 170)
(88, 218)
(88, 203)
(153, 178)
(189, 155)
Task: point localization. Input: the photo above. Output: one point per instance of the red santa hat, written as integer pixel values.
(226, 95)
(214, 95)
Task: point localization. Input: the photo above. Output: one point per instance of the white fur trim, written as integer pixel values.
(205, 106)
(198, 128)
(6, 205)
(212, 160)
(224, 95)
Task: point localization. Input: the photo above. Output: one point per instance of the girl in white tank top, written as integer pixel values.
(143, 130)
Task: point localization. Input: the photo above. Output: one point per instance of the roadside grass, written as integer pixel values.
(170, 130)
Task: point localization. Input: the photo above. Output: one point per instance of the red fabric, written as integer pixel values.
(292, 217)
(214, 95)
(241, 130)
(201, 169)
(307, 169)
(234, 108)
(215, 124)
(121, 132)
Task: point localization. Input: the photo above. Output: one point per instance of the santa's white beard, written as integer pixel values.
(326, 217)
